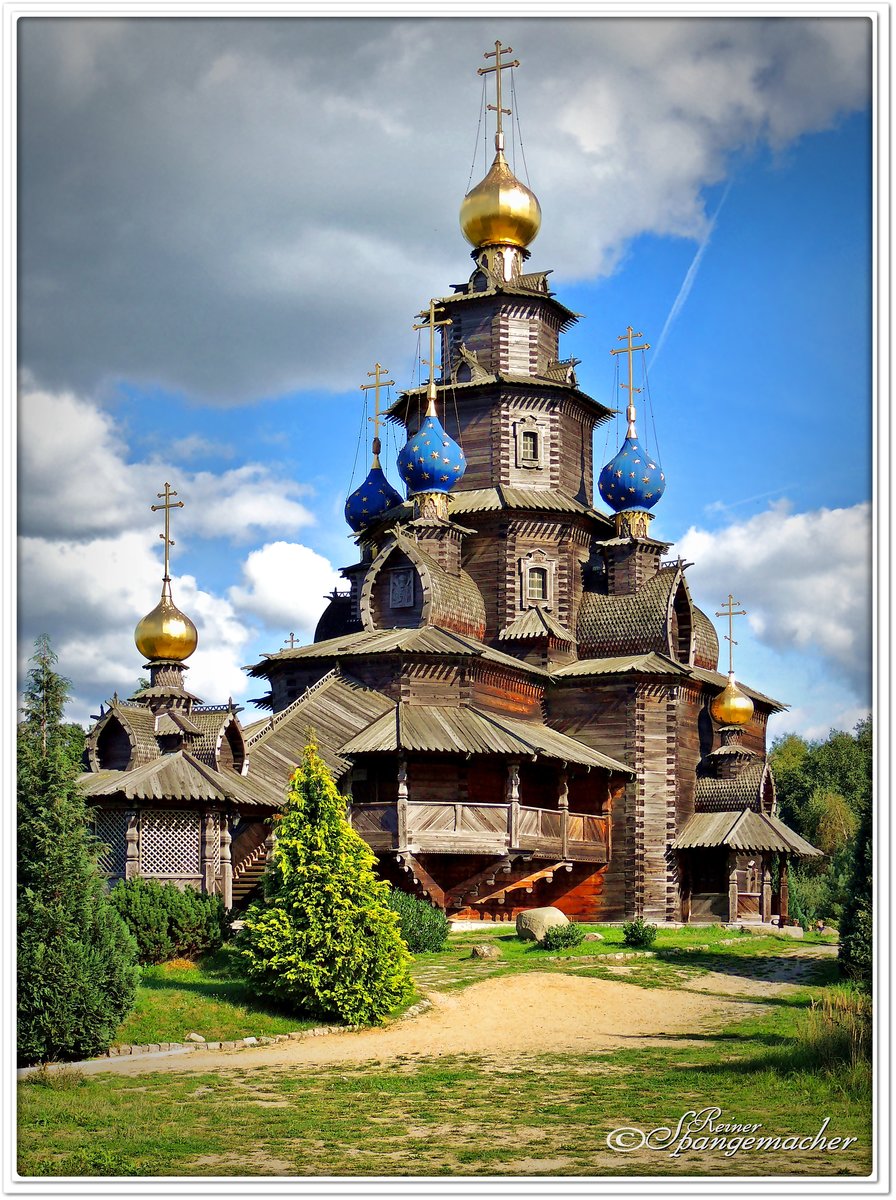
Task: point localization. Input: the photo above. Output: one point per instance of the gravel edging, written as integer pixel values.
(197, 1042)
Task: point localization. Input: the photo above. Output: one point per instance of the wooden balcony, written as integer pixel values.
(424, 827)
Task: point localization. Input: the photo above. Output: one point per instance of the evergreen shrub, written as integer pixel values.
(559, 937)
(169, 923)
(423, 926)
(638, 933)
(77, 975)
(324, 940)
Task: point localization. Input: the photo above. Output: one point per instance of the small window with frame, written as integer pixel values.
(537, 583)
(529, 446)
(529, 435)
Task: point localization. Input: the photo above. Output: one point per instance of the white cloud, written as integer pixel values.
(90, 558)
(211, 205)
(284, 585)
(76, 481)
(805, 581)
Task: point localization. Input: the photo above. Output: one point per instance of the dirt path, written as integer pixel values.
(508, 1016)
(534, 1013)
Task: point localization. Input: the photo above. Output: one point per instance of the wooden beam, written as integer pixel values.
(527, 882)
(500, 866)
(424, 879)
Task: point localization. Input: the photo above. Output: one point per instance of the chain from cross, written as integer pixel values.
(378, 382)
(630, 335)
(291, 641)
(167, 506)
(728, 610)
(429, 321)
(497, 69)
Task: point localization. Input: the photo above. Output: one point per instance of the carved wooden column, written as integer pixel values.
(402, 806)
(732, 886)
(766, 911)
(208, 853)
(783, 910)
(226, 862)
(563, 805)
(132, 846)
(269, 843)
(513, 799)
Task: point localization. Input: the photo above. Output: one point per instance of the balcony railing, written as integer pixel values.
(446, 827)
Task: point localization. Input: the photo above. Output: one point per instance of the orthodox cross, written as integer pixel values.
(429, 320)
(290, 641)
(729, 611)
(630, 386)
(167, 506)
(498, 68)
(376, 385)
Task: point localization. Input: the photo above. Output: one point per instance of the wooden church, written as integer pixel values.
(515, 691)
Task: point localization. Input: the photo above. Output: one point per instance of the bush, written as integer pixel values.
(638, 933)
(559, 937)
(324, 940)
(423, 926)
(77, 975)
(167, 922)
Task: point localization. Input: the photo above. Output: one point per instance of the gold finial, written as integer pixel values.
(166, 632)
(167, 506)
(630, 386)
(429, 320)
(728, 610)
(497, 69)
(731, 706)
(376, 385)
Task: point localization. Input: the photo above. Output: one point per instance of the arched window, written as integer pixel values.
(538, 583)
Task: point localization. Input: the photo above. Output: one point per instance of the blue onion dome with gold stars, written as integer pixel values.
(632, 479)
(375, 496)
(431, 461)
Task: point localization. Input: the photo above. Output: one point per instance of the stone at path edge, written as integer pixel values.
(484, 950)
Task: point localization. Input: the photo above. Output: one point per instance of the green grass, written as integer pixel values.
(209, 998)
(446, 1116)
(454, 1116)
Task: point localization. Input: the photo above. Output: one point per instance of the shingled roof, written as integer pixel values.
(745, 830)
(449, 601)
(725, 795)
(630, 624)
(332, 711)
(535, 623)
(624, 664)
(429, 639)
(470, 730)
(180, 778)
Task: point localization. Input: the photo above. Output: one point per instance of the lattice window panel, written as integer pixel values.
(169, 843)
(110, 827)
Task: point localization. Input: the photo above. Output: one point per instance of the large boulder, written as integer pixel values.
(533, 924)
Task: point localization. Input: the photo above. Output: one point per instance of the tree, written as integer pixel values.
(856, 928)
(76, 972)
(324, 939)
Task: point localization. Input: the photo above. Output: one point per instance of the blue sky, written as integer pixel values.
(205, 281)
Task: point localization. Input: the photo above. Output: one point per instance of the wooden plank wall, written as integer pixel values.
(430, 682)
(602, 716)
(495, 690)
(656, 884)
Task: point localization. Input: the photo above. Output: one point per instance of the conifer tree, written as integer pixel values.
(76, 969)
(857, 926)
(324, 940)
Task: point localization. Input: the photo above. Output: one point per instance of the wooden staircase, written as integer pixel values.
(249, 861)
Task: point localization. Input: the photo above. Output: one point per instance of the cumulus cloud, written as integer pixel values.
(90, 562)
(805, 581)
(284, 585)
(88, 596)
(210, 205)
(77, 480)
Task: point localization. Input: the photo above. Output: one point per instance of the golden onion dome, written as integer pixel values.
(731, 706)
(166, 632)
(500, 211)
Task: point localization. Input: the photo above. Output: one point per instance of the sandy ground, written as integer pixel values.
(534, 1013)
